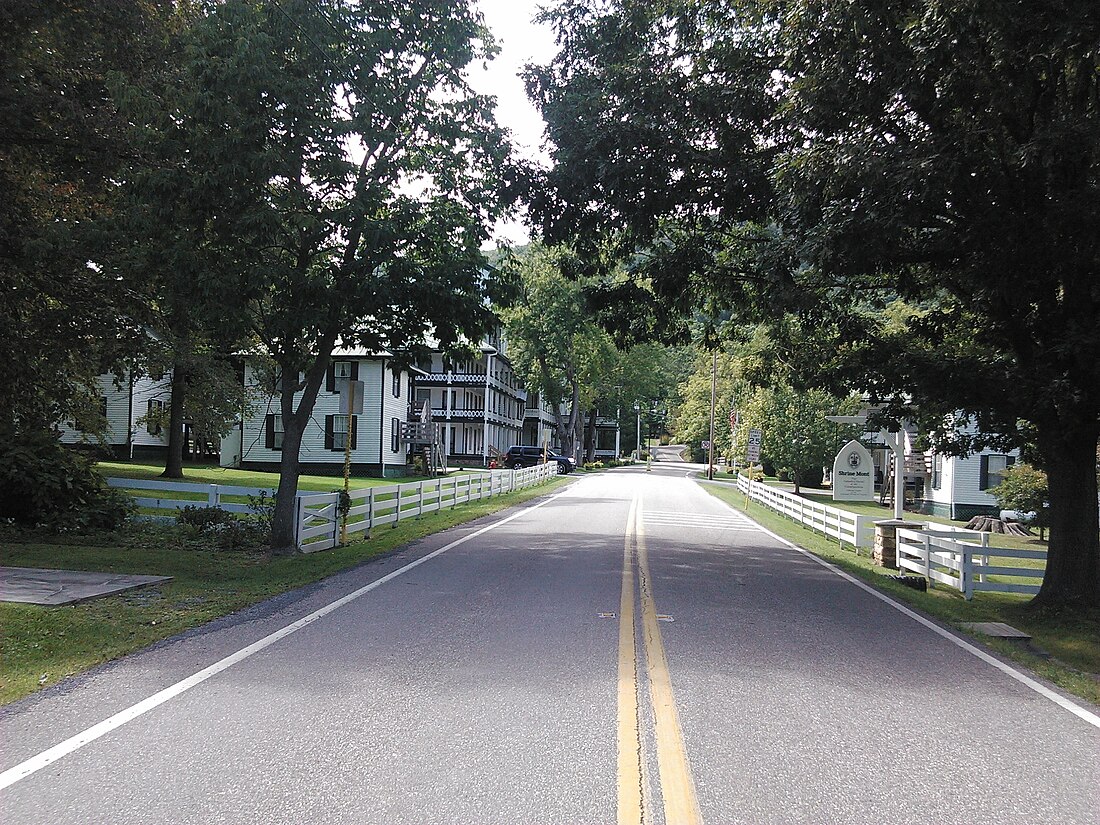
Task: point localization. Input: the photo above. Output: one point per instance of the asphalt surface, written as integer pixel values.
(486, 685)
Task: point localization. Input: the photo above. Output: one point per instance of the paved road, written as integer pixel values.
(627, 649)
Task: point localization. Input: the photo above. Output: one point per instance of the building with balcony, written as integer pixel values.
(478, 404)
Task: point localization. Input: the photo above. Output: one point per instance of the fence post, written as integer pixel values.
(397, 512)
(300, 510)
(966, 575)
(336, 521)
(985, 557)
(927, 560)
(370, 511)
(420, 503)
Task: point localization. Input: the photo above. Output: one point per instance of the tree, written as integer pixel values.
(909, 224)
(554, 344)
(63, 148)
(1025, 490)
(355, 175)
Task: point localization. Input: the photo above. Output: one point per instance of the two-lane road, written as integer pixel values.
(627, 650)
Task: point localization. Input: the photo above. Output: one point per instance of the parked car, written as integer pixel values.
(517, 457)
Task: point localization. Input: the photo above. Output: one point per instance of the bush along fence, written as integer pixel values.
(845, 527)
(319, 514)
(959, 558)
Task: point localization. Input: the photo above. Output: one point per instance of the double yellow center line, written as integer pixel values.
(677, 786)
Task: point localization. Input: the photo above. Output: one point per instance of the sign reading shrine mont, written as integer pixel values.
(853, 474)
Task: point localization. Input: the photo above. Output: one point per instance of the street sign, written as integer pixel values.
(752, 445)
(706, 445)
(354, 401)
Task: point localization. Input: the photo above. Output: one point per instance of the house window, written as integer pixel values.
(153, 412)
(339, 432)
(275, 440)
(937, 471)
(992, 470)
(103, 406)
(341, 373)
(396, 384)
(395, 435)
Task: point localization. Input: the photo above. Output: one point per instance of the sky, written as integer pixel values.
(521, 41)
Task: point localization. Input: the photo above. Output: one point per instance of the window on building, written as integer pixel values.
(341, 374)
(338, 430)
(103, 406)
(153, 413)
(396, 384)
(274, 435)
(395, 435)
(937, 471)
(992, 470)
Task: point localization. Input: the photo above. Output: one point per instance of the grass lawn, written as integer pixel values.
(42, 645)
(1073, 642)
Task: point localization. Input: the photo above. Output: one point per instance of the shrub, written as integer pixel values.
(224, 531)
(1024, 489)
(44, 483)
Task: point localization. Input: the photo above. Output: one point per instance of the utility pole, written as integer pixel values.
(713, 395)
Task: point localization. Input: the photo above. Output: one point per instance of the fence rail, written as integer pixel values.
(318, 521)
(842, 525)
(188, 494)
(961, 559)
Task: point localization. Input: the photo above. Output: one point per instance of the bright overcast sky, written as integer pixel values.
(521, 41)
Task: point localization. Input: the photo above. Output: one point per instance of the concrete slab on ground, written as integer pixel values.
(52, 588)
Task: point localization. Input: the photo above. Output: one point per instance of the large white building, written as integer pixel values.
(130, 404)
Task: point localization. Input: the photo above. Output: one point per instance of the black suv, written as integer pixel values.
(517, 457)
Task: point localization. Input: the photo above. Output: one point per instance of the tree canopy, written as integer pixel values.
(910, 223)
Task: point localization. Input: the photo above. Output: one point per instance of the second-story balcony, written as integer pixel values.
(452, 379)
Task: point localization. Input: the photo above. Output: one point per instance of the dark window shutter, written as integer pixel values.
(353, 428)
(330, 377)
(1010, 460)
(328, 432)
(354, 370)
(269, 434)
(983, 473)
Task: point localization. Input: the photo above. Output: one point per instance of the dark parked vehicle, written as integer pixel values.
(517, 457)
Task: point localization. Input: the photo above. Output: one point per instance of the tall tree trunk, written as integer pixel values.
(1072, 577)
(294, 424)
(283, 523)
(590, 437)
(797, 476)
(173, 465)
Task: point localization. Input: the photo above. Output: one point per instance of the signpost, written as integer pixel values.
(752, 453)
(353, 391)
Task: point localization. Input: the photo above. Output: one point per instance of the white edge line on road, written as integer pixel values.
(46, 757)
(1007, 669)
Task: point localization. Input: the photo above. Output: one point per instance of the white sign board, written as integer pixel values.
(753, 444)
(353, 403)
(853, 474)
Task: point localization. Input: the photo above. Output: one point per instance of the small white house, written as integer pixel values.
(125, 402)
(375, 436)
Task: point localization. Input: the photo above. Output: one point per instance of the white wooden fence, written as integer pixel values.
(194, 495)
(961, 559)
(318, 523)
(842, 525)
